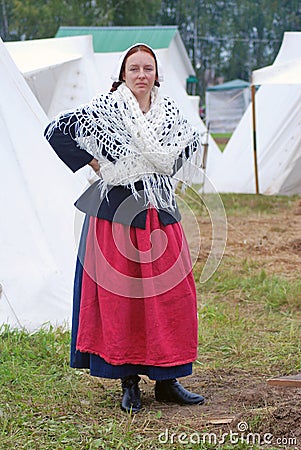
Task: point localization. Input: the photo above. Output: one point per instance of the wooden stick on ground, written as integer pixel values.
(286, 381)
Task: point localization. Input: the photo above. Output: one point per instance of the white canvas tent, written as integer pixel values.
(61, 73)
(225, 105)
(278, 131)
(37, 192)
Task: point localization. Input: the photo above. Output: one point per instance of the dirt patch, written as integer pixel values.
(273, 241)
(222, 141)
(238, 403)
(295, 246)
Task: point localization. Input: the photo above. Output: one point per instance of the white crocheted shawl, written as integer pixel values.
(131, 146)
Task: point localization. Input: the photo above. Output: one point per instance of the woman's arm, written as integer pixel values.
(67, 148)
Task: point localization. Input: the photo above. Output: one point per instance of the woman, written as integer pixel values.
(134, 309)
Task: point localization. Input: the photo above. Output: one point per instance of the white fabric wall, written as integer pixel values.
(60, 71)
(37, 192)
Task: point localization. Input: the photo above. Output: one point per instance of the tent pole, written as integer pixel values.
(205, 155)
(253, 90)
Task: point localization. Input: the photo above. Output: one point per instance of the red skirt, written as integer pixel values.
(138, 299)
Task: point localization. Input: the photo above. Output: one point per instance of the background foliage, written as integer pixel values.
(225, 39)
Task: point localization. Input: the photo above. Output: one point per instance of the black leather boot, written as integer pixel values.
(131, 402)
(172, 391)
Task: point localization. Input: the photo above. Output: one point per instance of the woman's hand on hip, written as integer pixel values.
(95, 166)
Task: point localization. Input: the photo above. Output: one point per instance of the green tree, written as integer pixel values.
(32, 19)
(5, 14)
(134, 12)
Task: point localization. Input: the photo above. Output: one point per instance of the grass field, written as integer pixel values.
(249, 316)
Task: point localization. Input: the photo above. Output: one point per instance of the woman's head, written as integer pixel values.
(139, 58)
(133, 51)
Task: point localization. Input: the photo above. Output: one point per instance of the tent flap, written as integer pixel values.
(285, 73)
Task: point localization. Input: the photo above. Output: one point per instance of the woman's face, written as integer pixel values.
(140, 73)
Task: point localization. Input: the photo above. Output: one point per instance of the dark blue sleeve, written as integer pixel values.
(67, 149)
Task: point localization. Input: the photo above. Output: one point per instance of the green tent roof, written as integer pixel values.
(229, 85)
(117, 39)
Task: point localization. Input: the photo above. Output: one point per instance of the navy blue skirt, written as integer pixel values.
(97, 365)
